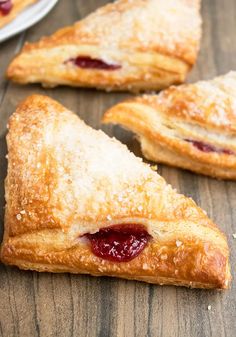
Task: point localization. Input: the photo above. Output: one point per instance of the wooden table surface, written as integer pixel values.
(42, 305)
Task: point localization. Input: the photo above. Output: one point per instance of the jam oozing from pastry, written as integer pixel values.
(119, 243)
(208, 148)
(5, 6)
(87, 62)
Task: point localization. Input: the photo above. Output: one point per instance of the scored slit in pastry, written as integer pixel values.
(9, 9)
(78, 201)
(192, 126)
(125, 45)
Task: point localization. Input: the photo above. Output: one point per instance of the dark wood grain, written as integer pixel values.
(42, 305)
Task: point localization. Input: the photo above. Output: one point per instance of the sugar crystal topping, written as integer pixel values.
(85, 174)
(212, 102)
(170, 25)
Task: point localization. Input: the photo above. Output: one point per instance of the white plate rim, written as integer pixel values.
(25, 19)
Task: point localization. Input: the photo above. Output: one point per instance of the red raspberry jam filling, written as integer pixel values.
(87, 62)
(207, 147)
(5, 6)
(119, 243)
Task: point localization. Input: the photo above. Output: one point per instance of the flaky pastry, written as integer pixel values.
(78, 201)
(192, 126)
(126, 45)
(9, 9)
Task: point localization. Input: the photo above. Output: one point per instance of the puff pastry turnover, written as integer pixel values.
(126, 45)
(9, 9)
(192, 126)
(78, 201)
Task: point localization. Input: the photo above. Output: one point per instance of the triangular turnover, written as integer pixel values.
(191, 126)
(78, 201)
(126, 45)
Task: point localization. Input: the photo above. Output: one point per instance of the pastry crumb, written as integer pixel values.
(145, 266)
(234, 235)
(164, 257)
(153, 167)
(140, 208)
(209, 307)
(178, 243)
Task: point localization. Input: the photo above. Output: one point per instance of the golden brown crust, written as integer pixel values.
(168, 123)
(69, 186)
(192, 264)
(151, 56)
(18, 6)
